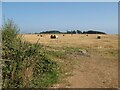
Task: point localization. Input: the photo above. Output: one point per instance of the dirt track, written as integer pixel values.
(99, 70)
(94, 72)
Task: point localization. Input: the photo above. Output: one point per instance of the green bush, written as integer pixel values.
(25, 64)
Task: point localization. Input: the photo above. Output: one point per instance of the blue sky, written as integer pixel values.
(63, 16)
(0, 13)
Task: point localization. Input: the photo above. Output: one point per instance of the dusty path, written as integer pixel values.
(93, 72)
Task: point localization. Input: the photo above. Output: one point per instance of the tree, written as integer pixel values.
(73, 32)
(79, 32)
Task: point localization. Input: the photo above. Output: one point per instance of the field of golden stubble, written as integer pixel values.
(75, 40)
(98, 70)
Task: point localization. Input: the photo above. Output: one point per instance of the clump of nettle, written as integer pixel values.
(25, 64)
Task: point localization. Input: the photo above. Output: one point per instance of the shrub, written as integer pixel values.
(25, 64)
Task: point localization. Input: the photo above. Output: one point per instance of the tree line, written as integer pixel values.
(71, 32)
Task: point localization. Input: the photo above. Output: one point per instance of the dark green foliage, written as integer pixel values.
(25, 64)
(72, 32)
(93, 32)
(79, 32)
(51, 32)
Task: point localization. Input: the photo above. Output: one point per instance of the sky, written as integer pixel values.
(0, 13)
(42, 16)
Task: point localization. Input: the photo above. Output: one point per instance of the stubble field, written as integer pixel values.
(87, 62)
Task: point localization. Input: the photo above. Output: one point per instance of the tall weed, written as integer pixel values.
(25, 64)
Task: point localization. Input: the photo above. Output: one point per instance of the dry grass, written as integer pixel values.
(90, 41)
(98, 70)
